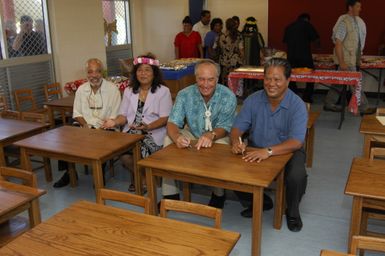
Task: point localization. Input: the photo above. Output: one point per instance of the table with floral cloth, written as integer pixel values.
(330, 77)
(368, 63)
(121, 82)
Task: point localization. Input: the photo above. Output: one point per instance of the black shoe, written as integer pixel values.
(217, 201)
(64, 181)
(333, 108)
(267, 205)
(294, 224)
(172, 197)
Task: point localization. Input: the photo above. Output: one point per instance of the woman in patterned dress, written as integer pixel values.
(144, 109)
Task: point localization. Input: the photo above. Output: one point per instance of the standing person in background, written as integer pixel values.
(203, 26)
(216, 26)
(349, 35)
(28, 42)
(298, 37)
(237, 21)
(230, 46)
(188, 43)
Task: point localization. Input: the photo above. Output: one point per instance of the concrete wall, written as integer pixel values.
(77, 34)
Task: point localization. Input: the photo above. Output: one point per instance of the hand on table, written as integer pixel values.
(256, 155)
(205, 141)
(182, 141)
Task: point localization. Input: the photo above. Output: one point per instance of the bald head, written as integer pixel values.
(94, 68)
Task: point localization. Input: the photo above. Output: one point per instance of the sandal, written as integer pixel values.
(131, 188)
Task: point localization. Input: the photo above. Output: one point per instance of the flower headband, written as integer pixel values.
(251, 22)
(145, 60)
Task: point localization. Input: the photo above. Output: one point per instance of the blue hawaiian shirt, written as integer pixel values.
(190, 107)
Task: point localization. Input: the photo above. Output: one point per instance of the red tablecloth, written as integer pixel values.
(329, 77)
(72, 86)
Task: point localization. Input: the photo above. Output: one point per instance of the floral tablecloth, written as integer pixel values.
(72, 86)
(329, 77)
(325, 61)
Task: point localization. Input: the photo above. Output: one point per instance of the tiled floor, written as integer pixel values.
(325, 209)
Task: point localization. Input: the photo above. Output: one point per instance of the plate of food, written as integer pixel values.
(299, 71)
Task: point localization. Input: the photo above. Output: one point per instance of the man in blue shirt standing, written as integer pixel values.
(208, 109)
(275, 119)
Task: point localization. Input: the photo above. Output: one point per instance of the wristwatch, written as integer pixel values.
(269, 151)
(214, 135)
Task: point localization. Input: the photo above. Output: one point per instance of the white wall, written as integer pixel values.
(155, 24)
(225, 9)
(77, 34)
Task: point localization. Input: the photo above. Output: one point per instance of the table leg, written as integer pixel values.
(25, 162)
(2, 157)
(72, 173)
(366, 147)
(186, 192)
(355, 222)
(137, 169)
(343, 105)
(310, 147)
(151, 190)
(47, 169)
(51, 117)
(98, 175)
(257, 221)
(279, 200)
(34, 213)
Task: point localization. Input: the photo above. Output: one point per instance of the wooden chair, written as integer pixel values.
(34, 117)
(53, 91)
(192, 208)
(10, 114)
(107, 194)
(333, 253)
(3, 103)
(24, 97)
(12, 225)
(309, 138)
(367, 243)
(372, 208)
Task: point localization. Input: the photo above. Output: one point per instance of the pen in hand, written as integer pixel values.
(240, 142)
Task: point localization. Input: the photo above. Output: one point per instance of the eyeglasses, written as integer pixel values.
(93, 102)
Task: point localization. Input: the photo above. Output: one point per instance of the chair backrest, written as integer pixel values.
(28, 178)
(192, 208)
(10, 114)
(3, 103)
(126, 67)
(113, 195)
(52, 91)
(333, 253)
(34, 117)
(367, 243)
(24, 96)
(377, 152)
(380, 112)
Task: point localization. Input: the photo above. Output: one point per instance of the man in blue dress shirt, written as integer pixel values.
(208, 110)
(275, 119)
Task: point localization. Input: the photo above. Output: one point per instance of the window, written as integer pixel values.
(25, 28)
(116, 22)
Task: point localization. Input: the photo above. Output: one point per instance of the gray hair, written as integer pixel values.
(278, 62)
(96, 61)
(210, 62)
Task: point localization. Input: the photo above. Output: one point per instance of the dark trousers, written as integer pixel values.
(295, 181)
(308, 91)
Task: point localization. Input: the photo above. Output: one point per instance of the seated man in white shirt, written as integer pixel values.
(95, 101)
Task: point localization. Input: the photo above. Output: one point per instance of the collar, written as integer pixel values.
(102, 87)
(213, 99)
(285, 102)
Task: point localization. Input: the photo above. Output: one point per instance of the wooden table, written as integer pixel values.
(16, 198)
(371, 128)
(13, 130)
(63, 105)
(87, 228)
(79, 145)
(218, 167)
(366, 182)
(334, 253)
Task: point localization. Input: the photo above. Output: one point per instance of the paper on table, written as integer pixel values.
(381, 119)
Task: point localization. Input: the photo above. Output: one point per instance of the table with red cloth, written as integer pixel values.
(368, 62)
(71, 87)
(331, 77)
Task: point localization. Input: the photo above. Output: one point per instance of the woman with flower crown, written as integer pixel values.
(145, 108)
